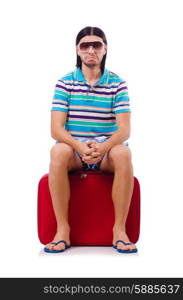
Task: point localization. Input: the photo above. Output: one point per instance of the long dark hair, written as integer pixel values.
(91, 31)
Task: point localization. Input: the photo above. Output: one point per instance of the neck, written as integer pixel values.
(91, 73)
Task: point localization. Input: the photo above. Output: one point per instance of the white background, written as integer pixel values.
(145, 48)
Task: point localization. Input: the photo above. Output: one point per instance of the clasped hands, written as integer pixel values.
(92, 152)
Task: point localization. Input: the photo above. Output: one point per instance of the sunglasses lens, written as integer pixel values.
(85, 45)
(97, 45)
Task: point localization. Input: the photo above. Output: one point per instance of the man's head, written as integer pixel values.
(91, 47)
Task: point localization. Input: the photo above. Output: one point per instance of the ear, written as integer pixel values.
(77, 50)
(105, 48)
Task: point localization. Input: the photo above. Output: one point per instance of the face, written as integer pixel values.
(91, 55)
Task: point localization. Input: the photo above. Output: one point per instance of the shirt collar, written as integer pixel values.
(78, 76)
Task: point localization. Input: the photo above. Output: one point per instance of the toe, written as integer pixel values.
(49, 246)
(122, 246)
(128, 247)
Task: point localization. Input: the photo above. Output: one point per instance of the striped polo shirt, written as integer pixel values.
(91, 109)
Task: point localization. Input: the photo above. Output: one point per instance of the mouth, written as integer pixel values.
(91, 58)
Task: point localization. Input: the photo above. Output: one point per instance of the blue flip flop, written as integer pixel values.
(57, 251)
(126, 244)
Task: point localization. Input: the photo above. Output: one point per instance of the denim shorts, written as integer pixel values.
(100, 139)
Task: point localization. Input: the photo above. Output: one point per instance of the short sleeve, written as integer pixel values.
(122, 101)
(60, 97)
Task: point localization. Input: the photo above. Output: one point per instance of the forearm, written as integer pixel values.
(64, 136)
(118, 137)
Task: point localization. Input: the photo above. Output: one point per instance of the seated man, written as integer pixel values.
(90, 121)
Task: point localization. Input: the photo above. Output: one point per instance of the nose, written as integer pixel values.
(90, 50)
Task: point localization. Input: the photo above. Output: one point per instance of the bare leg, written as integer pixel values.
(63, 159)
(118, 160)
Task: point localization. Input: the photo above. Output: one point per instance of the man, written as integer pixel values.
(90, 121)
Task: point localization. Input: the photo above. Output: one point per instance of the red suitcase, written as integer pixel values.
(91, 212)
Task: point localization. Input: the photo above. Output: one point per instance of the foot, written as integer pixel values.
(118, 234)
(60, 235)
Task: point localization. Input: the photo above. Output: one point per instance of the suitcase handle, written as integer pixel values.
(84, 173)
(80, 172)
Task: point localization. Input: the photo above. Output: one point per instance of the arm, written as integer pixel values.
(123, 132)
(121, 108)
(58, 132)
(119, 136)
(122, 112)
(59, 112)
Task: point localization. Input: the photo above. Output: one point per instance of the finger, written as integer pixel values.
(98, 159)
(87, 158)
(94, 146)
(95, 154)
(89, 143)
(88, 151)
(94, 160)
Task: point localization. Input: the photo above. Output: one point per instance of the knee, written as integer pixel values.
(60, 154)
(120, 154)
